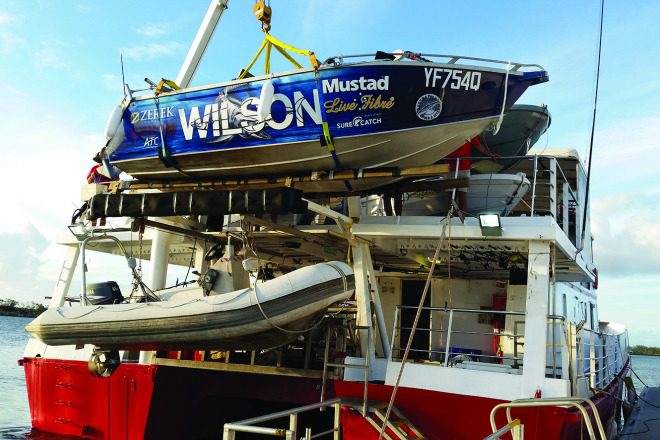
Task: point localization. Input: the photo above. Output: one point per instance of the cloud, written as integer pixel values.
(21, 263)
(634, 304)
(9, 42)
(153, 30)
(49, 57)
(112, 82)
(625, 191)
(151, 51)
(6, 18)
(626, 231)
(45, 157)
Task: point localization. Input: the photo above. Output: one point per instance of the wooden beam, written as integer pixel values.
(238, 368)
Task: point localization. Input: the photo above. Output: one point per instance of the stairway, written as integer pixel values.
(398, 426)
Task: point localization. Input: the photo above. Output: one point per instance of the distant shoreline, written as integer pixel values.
(644, 354)
(20, 313)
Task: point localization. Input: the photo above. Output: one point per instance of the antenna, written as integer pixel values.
(593, 125)
(123, 79)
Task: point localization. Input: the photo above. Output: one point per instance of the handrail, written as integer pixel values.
(452, 59)
(129, 260)
(446, 351)
(364, 367)
(247, 425)
(503, 430)
(552, 401)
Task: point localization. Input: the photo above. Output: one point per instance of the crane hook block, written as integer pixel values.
(263, 13)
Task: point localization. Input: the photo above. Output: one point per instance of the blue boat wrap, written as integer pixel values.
(354, 100)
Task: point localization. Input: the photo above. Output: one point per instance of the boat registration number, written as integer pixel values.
(452, 78)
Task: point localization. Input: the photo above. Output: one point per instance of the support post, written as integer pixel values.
(536, 317)
(552, 190)
(360, 272)
(160, 253)
(362, 259)
(64, 280)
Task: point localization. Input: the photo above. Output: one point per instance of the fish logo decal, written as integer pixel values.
(428, 107)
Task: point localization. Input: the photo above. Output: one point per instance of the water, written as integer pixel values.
(14, 410)
(15, 414)
(648, 370)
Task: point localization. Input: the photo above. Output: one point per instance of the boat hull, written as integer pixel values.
(492, 193)
(378, 114)
(160, 402)
(440, 415)
(521, 128)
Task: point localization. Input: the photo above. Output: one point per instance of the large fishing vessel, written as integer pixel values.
(458, 325)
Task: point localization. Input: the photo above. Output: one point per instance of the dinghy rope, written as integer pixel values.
(506, 88)
(313, 326)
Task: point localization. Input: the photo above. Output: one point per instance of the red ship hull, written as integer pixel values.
(151, 401)
(157, 402)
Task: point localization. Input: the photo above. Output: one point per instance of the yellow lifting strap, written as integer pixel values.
(327, 137)
(268, 43)
(166, 85)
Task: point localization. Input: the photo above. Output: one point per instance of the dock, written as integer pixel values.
(644, 421)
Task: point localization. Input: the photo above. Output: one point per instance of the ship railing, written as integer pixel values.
(451, 345)
(338, 60)
(598, 357)
(291, 432)
(553, 190)
(566, 402)
(343, 365)
(557, 347)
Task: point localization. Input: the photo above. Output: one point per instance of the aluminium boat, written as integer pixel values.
(487, 193)
(339, 115)
(522, 126)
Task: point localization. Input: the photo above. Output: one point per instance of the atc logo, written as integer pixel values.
(428, 107)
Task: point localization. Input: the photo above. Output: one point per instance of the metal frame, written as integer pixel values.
(248, 425)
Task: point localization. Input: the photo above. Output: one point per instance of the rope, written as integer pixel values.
(297, 332)
(506, 88)
(415, 322)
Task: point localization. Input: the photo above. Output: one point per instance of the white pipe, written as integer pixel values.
(160, 253)
(200, 43)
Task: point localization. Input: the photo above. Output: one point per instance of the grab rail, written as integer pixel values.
(504, 429)
(452, 59)
(365, 367)
(547, 402)
(230, 429)
(129, 260)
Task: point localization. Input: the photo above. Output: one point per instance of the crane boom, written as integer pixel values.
(201, 41)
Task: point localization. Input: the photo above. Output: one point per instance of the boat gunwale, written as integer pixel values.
(303, 70)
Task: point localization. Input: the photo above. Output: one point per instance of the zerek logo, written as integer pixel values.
(353, 85)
